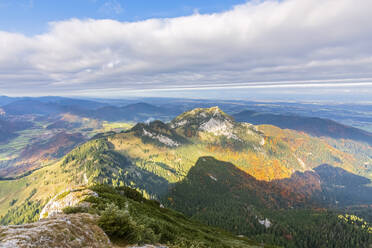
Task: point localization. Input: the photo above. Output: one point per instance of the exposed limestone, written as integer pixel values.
(70, 231)
(161, 138)
(211, 120)
(217, 127)
(179, 124)
(266, 222)
(65, 199)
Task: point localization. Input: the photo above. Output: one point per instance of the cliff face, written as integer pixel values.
(74, 230)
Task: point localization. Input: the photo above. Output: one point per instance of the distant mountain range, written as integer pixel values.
(314, 126)
(49, 106)
(133, 112)
(141, 111)
(84, 108)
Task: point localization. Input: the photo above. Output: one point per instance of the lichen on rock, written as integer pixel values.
(74, 230)
(68, 198)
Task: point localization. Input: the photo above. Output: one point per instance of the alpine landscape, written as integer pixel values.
(238, 124)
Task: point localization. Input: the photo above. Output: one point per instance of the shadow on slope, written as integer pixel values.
(9, 128)
(340, 187)
(211, 182)
(288, 212)
(96, 162)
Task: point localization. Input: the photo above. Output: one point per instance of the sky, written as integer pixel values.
(292, 49)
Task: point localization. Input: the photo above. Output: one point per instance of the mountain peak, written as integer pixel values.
(199, 116)
(212, 111)
(211, 120)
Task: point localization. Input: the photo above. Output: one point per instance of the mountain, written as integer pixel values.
(212, 120)
(54, 106)
(6, 100)
(28, 107)
(70, 102)
(168, 151)
(50, 106)
(343, 188)
(132, 112)
(218, 179)
(264, 170)
(164, 153)
(314, 126)
(219, 194)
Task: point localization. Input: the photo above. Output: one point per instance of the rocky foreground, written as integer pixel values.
(55, 229)
(62, 231)
(73, 230)
(103, 216)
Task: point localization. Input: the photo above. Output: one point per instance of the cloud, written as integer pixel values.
(111, 7)
(253, 43)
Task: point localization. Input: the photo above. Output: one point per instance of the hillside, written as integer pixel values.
(318, 127)
(219, 194)
(10, 127)
(42, 152)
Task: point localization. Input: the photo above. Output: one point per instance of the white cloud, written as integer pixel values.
(292, 40)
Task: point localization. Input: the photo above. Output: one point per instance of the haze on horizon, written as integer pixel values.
(291, 49)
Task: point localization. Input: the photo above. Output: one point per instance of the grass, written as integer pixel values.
(116, 126)
(48, 181)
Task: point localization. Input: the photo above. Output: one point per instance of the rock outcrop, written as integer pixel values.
(63, 231)
(69, 198)
(55, 229)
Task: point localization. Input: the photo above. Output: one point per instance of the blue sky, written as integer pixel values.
(222, 48)
(32, 16)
